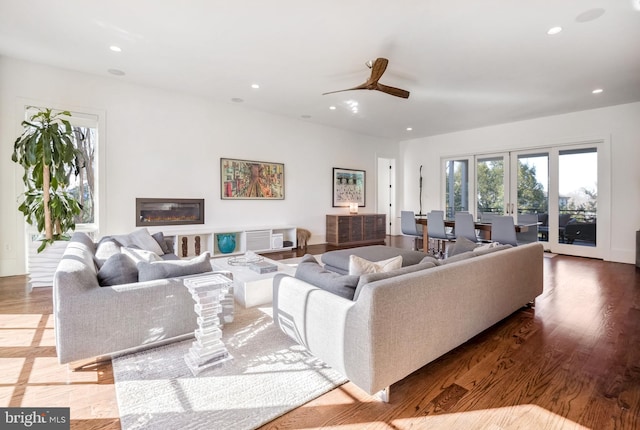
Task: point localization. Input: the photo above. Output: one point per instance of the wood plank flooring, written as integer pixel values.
(572, 362)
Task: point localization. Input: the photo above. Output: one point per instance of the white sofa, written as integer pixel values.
(398, 325)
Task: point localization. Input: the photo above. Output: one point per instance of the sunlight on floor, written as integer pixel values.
(522, 417)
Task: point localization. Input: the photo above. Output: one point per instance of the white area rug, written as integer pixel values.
(268, 376)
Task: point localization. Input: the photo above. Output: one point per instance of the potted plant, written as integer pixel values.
(46, 152)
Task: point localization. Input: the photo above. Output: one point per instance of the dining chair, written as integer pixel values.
(437, 231)
(465, 227)
(531, 235)
(409, 227)
(503, 230)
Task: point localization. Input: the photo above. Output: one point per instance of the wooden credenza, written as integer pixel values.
(356, 229)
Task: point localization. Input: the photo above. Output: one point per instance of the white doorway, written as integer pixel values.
(386, 192)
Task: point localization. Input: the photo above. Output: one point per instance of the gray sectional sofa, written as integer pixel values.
(94, 321)
(400, 322)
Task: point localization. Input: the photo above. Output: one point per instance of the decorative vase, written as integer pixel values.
(227, 242)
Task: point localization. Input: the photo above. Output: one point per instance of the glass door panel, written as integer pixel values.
(456, 187)
(578, 196)
(530, 195)
(491, 186)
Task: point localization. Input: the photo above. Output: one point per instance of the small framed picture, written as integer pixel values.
(349, 186)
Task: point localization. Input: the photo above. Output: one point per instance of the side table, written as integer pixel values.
(209, 291)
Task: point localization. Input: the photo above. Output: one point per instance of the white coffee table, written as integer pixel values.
(251, 288)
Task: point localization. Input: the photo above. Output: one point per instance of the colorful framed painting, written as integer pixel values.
(251, 180)
(349, 186)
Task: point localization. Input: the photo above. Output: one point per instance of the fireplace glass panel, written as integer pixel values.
(152, 212)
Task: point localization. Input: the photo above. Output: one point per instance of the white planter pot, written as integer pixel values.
(43, 265)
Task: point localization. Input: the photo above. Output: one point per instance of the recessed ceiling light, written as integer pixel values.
(554, 30)
(115, 48)
(409, 128)
(255, 86)
(597, 91)
(116, 72)
(237, 100)
(332, 107)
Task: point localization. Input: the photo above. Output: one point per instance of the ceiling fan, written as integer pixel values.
(377, 69)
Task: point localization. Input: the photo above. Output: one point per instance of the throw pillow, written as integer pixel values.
(461, 245)
(138, 255)
(360, 266)
(148, 271)
(372, 277)
(486, 246)
(140, 238)
(117, 270)
(159, 237)
(430, 259)
(105, 249)
(309, 270)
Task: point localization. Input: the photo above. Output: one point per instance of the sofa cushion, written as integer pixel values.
(140, 238)
(459, 257)
(462, 244)
(338, 261)
(482, 250)
(309, 270)
(360, 266)
(372, 277)
(148, 271)
(138, 255)
(116, 270)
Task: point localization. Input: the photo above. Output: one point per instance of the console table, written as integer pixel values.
(358, 229)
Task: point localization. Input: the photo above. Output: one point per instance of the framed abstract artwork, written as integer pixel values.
(251, 180)
(349, 186)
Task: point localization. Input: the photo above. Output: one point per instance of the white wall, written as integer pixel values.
(619, 124)
(164, 144)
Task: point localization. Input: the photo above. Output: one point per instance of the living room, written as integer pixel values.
(164, 142)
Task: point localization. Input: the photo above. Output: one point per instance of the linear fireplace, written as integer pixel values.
(151, 212)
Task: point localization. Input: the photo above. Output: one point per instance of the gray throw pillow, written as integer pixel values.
(117, 270)
(309, 270)
(461, 245)
(464, 256)
(159, 237)
(140, 238)
(171, 269)
(372, 277)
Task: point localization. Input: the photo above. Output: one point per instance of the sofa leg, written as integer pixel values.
(385, 394)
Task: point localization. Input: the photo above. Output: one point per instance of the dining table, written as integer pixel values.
(484, 227)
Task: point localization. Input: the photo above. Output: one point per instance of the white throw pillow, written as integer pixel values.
(138, 255)
(486, 246)
(360, 266)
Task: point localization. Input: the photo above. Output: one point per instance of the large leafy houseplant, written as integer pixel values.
(46, 152)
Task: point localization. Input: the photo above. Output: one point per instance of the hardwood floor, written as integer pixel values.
(571, 362)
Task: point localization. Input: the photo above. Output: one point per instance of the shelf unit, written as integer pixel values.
(258, 239)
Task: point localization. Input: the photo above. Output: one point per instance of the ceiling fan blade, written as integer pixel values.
(393, 91)
(378, 68)
(359, 87)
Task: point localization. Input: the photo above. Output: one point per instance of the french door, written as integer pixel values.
(555, 188)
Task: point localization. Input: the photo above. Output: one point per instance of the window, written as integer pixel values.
(83, 186)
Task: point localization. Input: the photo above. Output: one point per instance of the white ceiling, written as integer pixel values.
(467, 63)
